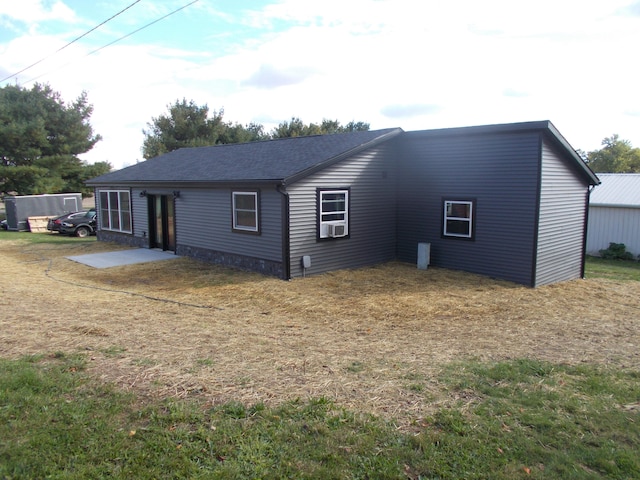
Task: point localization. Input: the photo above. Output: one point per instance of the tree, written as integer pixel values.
(40, 140)
(616, 156)
(238, 133)
(296, 128)
(185, 125)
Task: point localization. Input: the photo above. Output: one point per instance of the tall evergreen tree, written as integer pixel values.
(40, 140)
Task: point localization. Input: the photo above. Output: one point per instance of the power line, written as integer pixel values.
(121, 38)
(71, 42)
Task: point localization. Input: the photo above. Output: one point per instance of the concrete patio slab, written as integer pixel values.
(122, 257)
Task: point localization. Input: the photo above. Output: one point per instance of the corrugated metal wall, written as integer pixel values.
(563, 200)
(613, 225)
(372, 225)
(499, 171)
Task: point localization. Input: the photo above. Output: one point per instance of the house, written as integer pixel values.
(614, 213)
(507, 201)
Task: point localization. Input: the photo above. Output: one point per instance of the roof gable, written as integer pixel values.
(267, 161)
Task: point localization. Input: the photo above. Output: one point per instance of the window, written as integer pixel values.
(245, 211)
(458, 219)
(115, 210)
(333, 213)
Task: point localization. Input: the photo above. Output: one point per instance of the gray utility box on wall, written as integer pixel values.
(424, 255)
(20, 208)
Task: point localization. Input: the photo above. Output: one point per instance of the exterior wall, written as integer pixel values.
(204, 230)
(203, 219)
(613, 225)
(371, 178)
(563, 210)
(498, 171)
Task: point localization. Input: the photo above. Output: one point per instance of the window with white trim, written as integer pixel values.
(115, 210)
(245, 211)
(333, 213)
(458, 218)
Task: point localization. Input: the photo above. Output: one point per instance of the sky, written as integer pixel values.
(413, 64)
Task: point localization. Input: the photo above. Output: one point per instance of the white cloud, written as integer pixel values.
(400, 63)
(35, 11)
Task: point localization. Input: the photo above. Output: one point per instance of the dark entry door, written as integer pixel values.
(162, 222)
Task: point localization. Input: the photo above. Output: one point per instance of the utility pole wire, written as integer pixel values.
(117, 40)
(71, 42)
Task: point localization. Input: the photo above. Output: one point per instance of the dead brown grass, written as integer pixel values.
(371, 339)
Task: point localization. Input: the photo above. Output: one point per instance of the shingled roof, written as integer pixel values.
(282, 160)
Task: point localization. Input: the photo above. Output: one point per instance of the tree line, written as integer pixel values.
(615, 156)
(41, 137)
(186, 124)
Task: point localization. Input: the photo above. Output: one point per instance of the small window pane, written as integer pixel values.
(458, 210)
(124, 201)
(114, 204)
(460, 227)
(332, 217)
(114, 220)
(246, 219)
(126, 221)
(246, 202)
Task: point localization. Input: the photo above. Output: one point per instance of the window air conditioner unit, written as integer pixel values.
(337, 230)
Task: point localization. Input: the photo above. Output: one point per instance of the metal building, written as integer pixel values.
(20, 207)
(614, 213)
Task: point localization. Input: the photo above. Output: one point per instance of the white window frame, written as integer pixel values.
(324, 224)
(105, 223)
(236, 210)
(447, 218)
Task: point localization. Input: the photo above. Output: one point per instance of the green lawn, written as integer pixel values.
(612, 269)
(517, 419)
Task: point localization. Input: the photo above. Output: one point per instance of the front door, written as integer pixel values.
(162, 222)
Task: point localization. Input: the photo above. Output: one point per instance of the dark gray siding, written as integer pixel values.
(563, 207)
(204, 226)
(499, 171)
(371, 178)
(204, 221)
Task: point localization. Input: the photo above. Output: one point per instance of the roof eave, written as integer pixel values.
(185, 183)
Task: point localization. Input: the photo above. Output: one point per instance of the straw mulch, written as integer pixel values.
(373, 339)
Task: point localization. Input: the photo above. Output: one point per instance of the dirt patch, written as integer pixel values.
(371, 339)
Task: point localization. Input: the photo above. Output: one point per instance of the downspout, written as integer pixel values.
(285, 241)
(585, 232)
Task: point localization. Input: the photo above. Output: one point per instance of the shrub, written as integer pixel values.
(616, 251)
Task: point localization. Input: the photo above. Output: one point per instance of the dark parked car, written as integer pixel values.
(80, 226)
(53, 225)
(4, 225)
